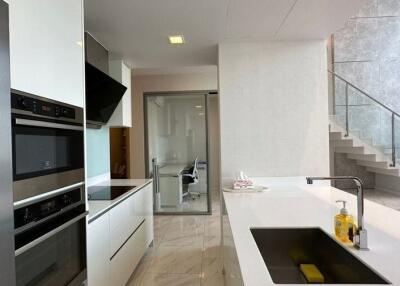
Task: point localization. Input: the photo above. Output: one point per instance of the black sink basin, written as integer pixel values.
(284, 249)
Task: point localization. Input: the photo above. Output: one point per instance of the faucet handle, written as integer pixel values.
(361, 239)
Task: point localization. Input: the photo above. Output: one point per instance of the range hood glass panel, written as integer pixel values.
(103, 94)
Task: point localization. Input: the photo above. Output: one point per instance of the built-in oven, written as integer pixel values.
(50, 240)
(48, 150)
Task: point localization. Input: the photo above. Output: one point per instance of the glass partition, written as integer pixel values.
(177, 152)
(366, 118)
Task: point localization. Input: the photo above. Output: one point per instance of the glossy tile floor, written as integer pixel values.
(199, 204)
(186, 252)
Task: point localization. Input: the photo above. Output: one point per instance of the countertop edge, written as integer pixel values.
(117, 201)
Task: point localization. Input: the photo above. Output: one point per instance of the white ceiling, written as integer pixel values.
(137, 30)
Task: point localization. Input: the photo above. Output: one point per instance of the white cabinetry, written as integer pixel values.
(124, 219)
(46, 50)
(98, 240)
(123, 234)
(122, 116)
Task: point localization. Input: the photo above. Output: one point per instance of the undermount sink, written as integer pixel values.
(284, 249)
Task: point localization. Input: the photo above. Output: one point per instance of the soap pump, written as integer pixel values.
(344, 224)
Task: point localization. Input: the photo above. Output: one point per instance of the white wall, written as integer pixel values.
(274, 108)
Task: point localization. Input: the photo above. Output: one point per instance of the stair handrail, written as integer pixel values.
(394, 113)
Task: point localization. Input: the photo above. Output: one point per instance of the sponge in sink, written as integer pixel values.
(312, 273)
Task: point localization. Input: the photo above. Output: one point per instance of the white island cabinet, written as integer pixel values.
(119, 237)
(46, 49)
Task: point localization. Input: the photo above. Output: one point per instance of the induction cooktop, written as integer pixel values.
(101, 193)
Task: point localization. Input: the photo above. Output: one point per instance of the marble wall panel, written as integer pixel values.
(369, 9)
(387, 7)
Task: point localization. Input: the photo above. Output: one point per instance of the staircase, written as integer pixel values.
(365, 153)
(364, 129)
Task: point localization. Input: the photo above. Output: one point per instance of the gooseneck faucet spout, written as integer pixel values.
(360, 238)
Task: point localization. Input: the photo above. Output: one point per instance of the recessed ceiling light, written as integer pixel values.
(201, 114)
(176, 40)
(199, 106)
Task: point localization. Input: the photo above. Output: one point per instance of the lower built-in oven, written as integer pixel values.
(48, 148)
(50, 240)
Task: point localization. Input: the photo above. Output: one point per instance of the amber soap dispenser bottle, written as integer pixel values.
(344, 224)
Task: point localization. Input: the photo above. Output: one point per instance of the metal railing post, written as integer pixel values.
(393, 143)
(347, 110)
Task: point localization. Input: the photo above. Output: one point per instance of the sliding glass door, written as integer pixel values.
(177, 151)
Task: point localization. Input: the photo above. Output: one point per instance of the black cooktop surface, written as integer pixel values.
(101, 193)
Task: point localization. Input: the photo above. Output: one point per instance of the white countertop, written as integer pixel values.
(290, 202)
(97, 208)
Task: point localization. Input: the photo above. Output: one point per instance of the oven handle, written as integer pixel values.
(31, 200)
(28, 122)
(38, 240)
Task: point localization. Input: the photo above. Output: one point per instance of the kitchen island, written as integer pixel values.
(291, 203)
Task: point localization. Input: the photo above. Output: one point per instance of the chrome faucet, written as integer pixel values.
(360, 239)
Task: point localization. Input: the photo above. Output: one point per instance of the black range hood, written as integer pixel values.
(103, 93)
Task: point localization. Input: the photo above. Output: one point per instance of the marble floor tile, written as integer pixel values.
(186, 251)
(211, 266)
(139, 273)
(212, 246)
(176, 260)
(157, 279)
(213, 280)
(188, 223)
(212, 226)
(182, 239)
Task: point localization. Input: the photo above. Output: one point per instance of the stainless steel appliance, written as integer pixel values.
(7, 270)
(47, 141)
(50, 240)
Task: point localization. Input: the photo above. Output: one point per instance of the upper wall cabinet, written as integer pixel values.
(47, 56)
(122, 116)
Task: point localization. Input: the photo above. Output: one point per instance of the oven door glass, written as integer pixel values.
(58, 260)
(39, 151)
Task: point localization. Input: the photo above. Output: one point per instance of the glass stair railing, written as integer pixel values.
(364, 116)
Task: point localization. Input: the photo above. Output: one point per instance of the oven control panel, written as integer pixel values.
(40, 107)
(39, 211)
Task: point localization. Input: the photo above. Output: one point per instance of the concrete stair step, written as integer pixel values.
(350, 150)
(379, 165)
(390, 171)
(363, 157)
(343, 143)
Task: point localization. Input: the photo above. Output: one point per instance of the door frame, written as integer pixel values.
(206, 94)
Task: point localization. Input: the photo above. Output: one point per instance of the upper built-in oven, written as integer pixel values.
(47, 140)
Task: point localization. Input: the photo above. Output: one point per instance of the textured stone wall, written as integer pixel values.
(367, 54)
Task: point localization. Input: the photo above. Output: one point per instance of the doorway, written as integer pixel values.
(176, 147)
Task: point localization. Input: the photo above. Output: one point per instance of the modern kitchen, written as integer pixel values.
(199, 143)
